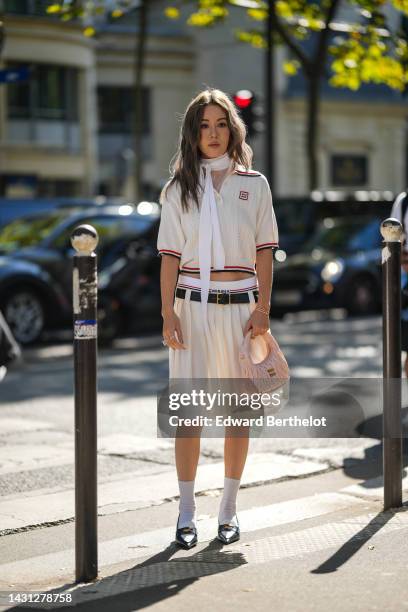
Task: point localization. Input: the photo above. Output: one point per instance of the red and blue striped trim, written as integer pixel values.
(242, 173)
(225, 268)
(266, 245)
(211, 290)
(169, 252)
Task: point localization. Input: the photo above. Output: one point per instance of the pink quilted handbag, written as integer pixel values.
(262, 361)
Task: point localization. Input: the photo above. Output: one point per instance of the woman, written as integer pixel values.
(217, 222)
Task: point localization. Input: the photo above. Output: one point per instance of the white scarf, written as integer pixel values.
(209, 232)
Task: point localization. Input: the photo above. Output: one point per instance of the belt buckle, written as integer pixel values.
(221, 296)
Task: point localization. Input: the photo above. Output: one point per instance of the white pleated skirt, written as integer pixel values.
(214, 354)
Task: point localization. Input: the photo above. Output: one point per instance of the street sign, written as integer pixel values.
(10, 75)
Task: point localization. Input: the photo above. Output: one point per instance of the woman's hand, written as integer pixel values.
(258, 322)
(172, 334)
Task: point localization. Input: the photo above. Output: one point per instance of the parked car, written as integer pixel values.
(13, 208)
(36, 262)
(339, 266)
(299, 217)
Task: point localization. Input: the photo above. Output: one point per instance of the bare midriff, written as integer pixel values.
(223, 276)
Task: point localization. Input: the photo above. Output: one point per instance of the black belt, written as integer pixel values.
(220, 297)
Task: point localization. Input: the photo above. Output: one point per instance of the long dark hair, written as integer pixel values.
(185, 168)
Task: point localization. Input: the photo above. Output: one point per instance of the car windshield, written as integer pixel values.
(28, 231)
(346, 237)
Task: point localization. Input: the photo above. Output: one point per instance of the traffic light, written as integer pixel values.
(250, 110)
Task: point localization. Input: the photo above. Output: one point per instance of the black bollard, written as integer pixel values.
(84, 240)
(391, 231)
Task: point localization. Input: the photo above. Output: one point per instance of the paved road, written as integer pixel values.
(314, 536)
(37, 415)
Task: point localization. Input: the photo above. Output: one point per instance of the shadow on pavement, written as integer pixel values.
(136, 368)
(355, 543)
(155, 579)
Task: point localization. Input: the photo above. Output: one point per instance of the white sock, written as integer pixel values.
(228, 506)
(187, 506)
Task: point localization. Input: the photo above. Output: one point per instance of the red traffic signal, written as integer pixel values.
(244, 98)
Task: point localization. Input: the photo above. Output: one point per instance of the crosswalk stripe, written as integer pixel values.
(135, 491)
(152, 542)
(275, 548)
(60, 450)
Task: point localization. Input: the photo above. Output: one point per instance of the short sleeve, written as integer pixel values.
(266, 227)
(171, 239)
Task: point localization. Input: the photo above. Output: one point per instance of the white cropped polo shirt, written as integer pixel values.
(246, 217)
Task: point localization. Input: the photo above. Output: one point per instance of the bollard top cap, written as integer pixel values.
(84, 239)
(391, 230)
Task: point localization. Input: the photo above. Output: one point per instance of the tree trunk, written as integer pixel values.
(140, 50)
(312, 131)
(269, 100)
(314, 75)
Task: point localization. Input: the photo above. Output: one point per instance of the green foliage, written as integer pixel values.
(368, 52)
(86, 11)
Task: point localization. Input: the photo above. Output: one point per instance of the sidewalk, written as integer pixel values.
(313, 534)
(306, 542)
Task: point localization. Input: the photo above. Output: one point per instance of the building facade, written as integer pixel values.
(66, 129)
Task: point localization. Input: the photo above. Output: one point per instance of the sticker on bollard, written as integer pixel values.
(85, 329)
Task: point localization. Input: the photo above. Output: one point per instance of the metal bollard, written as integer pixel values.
(84, 240)
(391, 231)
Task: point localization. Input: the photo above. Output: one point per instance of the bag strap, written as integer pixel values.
(266, 337)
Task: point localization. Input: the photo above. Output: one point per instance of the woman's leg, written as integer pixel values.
(235, 454)
(187, 452)
(235, 451)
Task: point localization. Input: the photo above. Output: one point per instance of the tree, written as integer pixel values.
(348, 55)
(89, 11)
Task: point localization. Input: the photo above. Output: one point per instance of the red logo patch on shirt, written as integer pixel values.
(243, 195)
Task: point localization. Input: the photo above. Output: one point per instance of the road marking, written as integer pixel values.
(139, 491)
(24, 457)
(143, 544)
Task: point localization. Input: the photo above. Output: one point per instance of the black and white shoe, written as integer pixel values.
(186, 536)
(228, 533)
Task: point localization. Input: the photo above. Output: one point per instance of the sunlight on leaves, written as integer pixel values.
(53, 9)
(172, 12)
(290, 67)
(89, 31)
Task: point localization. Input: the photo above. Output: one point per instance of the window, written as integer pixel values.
(28, 231)
(58, 188)
(347, 236)
(28, 7)
(349, 170)
(115, 109)
(51, 92)
(110, 229)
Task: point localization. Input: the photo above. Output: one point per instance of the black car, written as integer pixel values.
(339, 266)
(36, 261)
(299, 217)
(13, 208)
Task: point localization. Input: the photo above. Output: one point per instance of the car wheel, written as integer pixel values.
(362, 296)
(24, 312)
